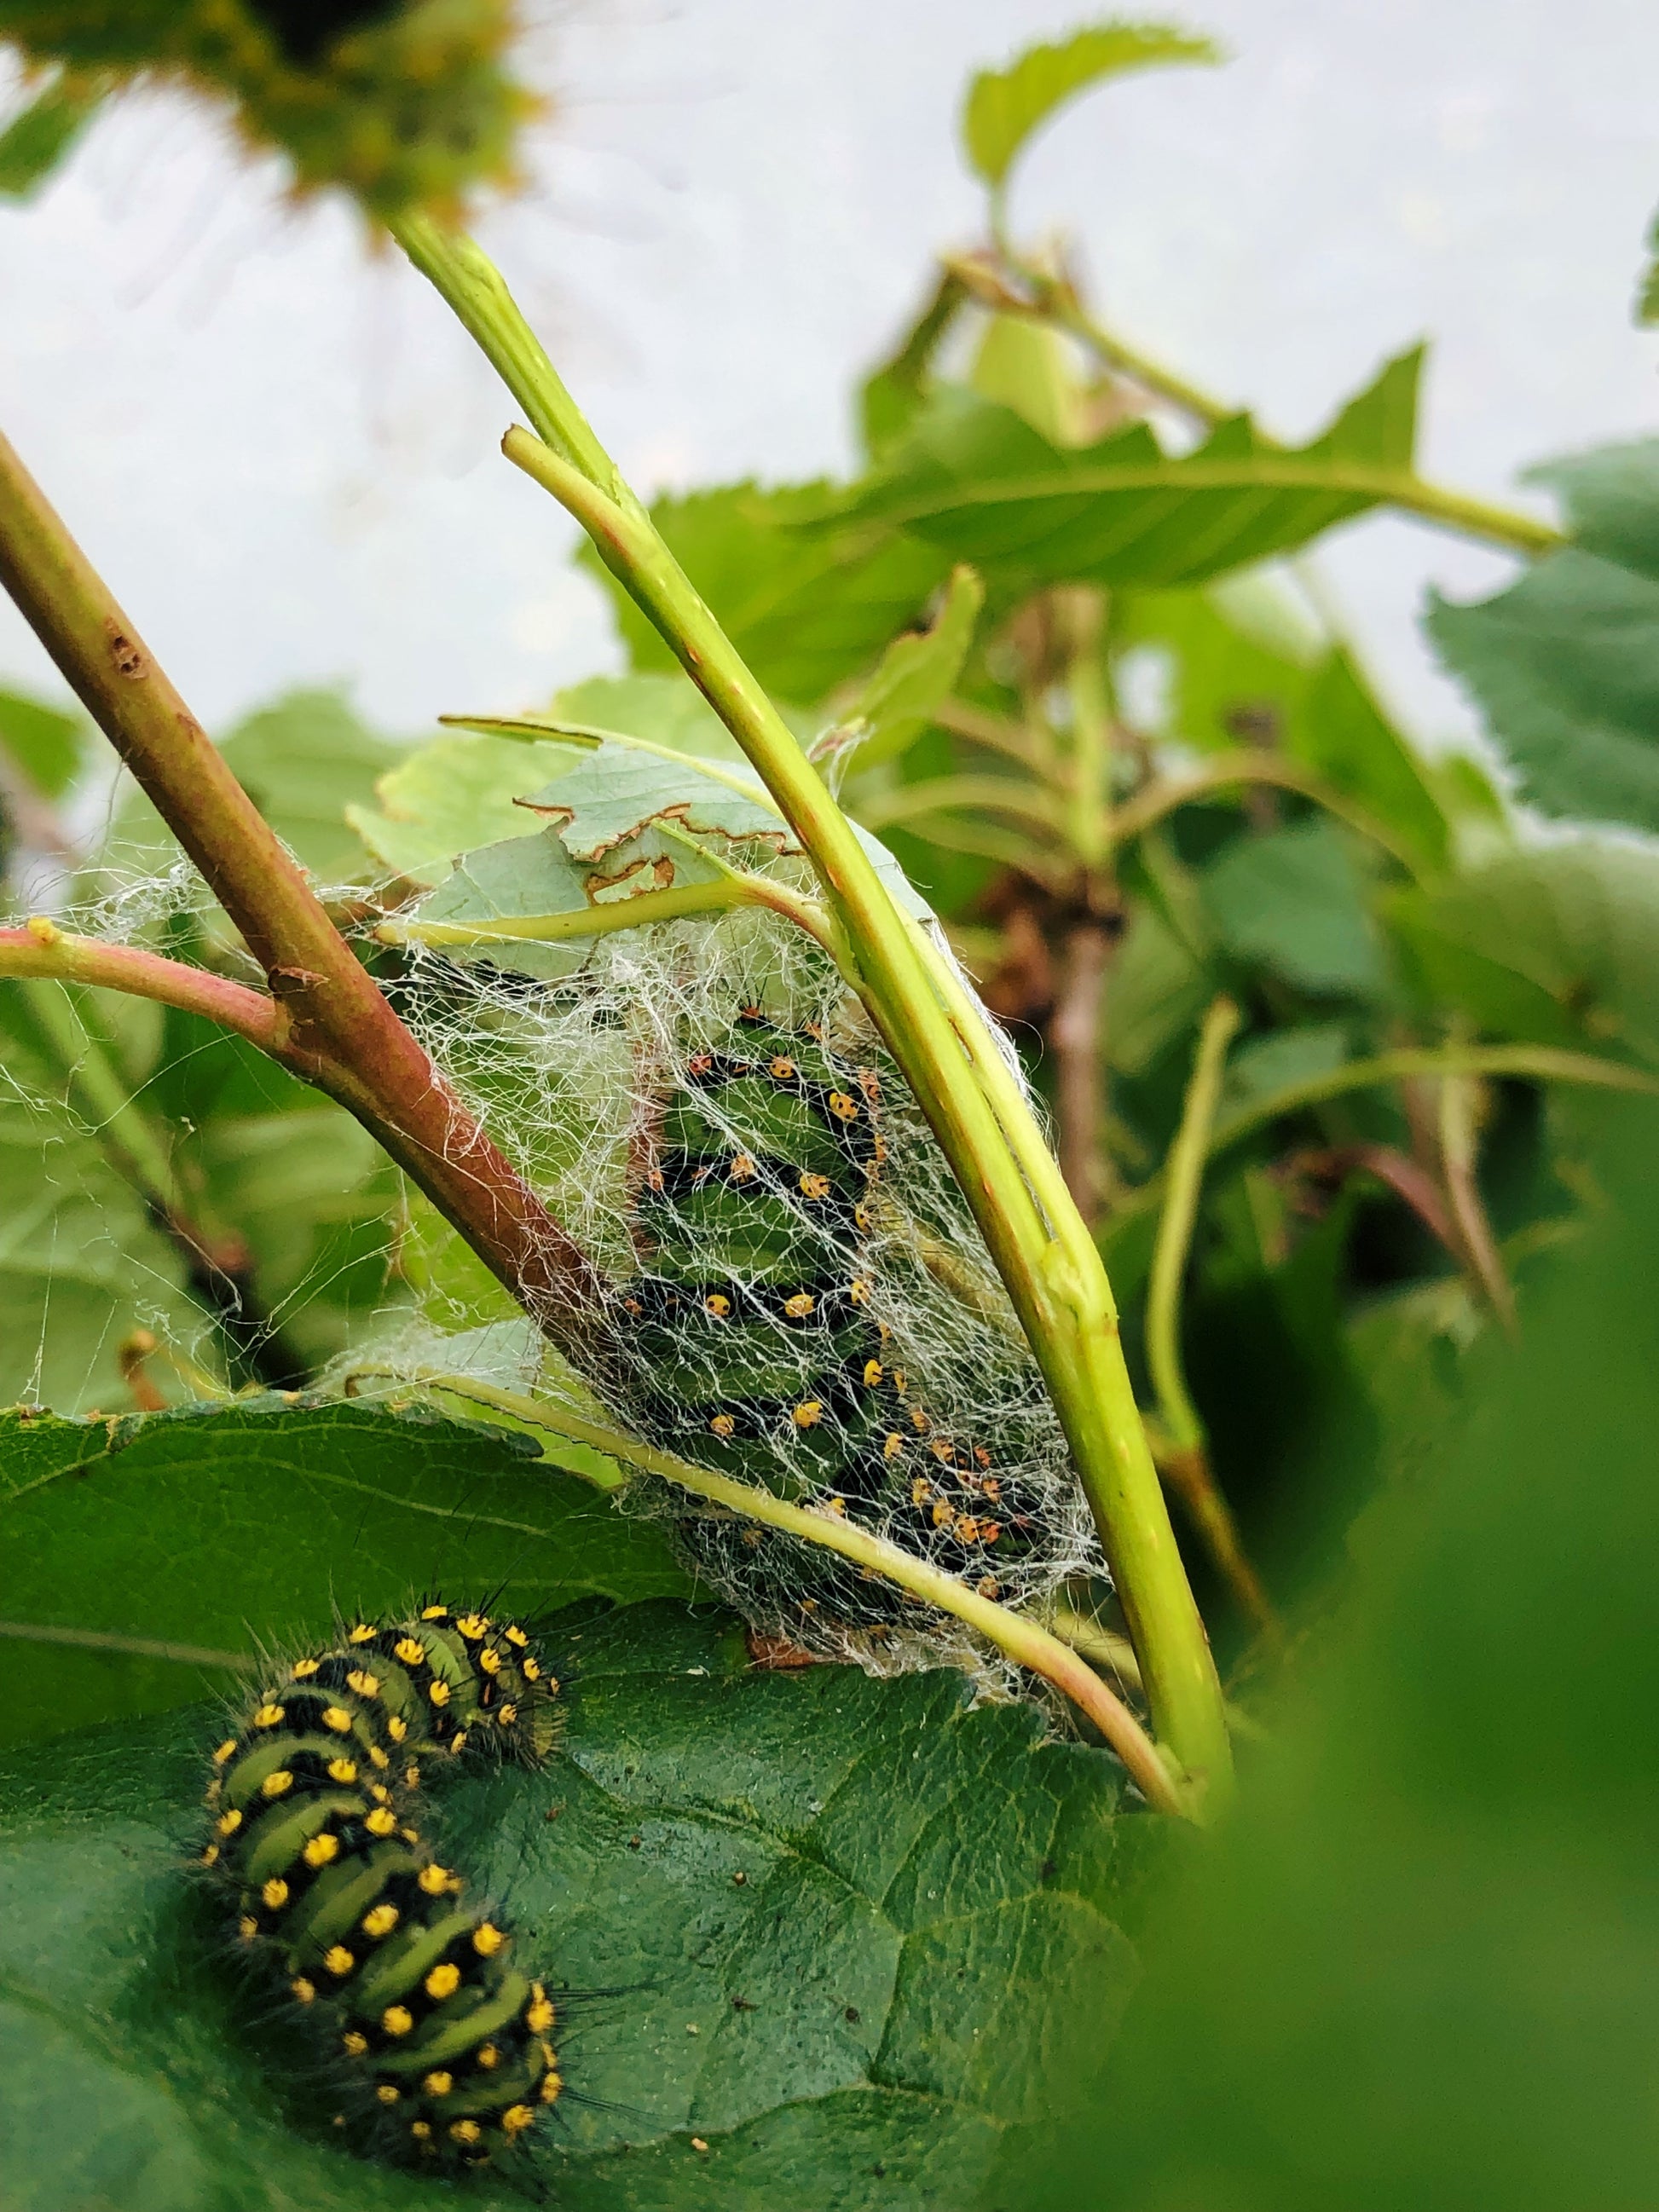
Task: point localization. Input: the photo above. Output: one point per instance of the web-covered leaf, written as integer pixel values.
(1005, 106)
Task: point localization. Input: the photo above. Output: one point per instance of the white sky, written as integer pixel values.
(283, 457)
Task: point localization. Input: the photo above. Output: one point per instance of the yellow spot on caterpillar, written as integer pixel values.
(438, 2083)
(343, 1770)
(807, 1414)
(894, 1447)
(362, 1633)
(306, 1990)
(458, 1743)
(967, 1529)
(860, 1215)
(781, 1069)
(277, 1783)
(532, 1670)
(382, 1822)
(438, 1691)
(489, 1661)
(409, 1835)
(873, 1371)
(815, 1186)
(380, 1920)
(337, 1719)
(920, 1491)
(377, 1757)
(516, 1635)
(989, 1531)
(211, 1855)
(420, 2130)
(487, 2055)
(395, 1726)
(338, 1960)
(516, 2118)
(225, 1751)
(919, 1421)
(275, 1893)
(322, 1850)
(944, 1451)
(411, 1650)
(305, 1668)
(944, 1512)
(229, 1823)
(442, 1982)
(412, 1776)
(213, 1792)
(464, 2132)
(352, 2044)
(988, 1586)
(488, 1939)
(433, 1879)
(506, 1716)
(843, 1108)
(538, 2012)
(270, 1717)
(836, 1506)
(247, 1928)
(723, 1425)
(697, 2143)
(901, 1381)
(472, 1626)
(397, 2019)
(434, 1612)
(658, 1181)
(551, 2086)
(742, 1166)
(799, 1305)
(858, 1291)
(981, 1456)
(366, 1685)
(992, 1488)
(387, 2092)
(718, 1304)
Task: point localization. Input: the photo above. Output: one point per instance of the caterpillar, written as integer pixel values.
(748, 1337)
(316, 1845)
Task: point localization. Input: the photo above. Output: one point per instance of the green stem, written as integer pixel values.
(998, 794)
(1052, 1267)
(1017, 1638)
(634, 913)
(43, 950)
(1165, 795)
(1183, 1174)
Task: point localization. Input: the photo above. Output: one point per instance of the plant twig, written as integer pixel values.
(330, 1022)
(1165, 795)
(1017, 1637)
(1185, 1464)
(1459, 1156)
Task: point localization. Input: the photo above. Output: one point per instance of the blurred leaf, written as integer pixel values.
(1559, 944)
(1647, 297)
(1005, 106)
(978, 483)
(1295, 901)
(1237, 670)
(35, 145)
(1565, 663)
(208, 1526)
(807, 608)
(1342, 733)
(1283, 1059)
(1024, 365)
(1158, 991)
(46, 743)
(861, 1939)
(891, 394)
(1417, 1970)
(917, 673)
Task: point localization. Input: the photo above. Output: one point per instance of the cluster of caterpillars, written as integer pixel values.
(743, 1353)
(444, 2044)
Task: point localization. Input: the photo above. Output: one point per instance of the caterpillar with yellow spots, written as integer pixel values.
(748, 1339)
(317, 1843)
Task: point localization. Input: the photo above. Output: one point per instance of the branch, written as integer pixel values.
(999, 794)
(42, 949)
(329, 1022)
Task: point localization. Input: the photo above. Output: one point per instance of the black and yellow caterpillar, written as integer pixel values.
(438, 2046)
(748, 1338)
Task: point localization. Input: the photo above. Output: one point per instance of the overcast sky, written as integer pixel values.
(284, 459)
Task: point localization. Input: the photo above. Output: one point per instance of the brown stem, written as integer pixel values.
(1074, 1035)
(330, 1022)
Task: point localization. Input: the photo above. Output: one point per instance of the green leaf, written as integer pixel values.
(46, 743)
(807, 608)
(891, 395)
(916, 673)
(450, 795)
(1294, 902)
(1565, 663)
(35, 145)
(1238, 661)
(201, 1527)
(1024, 365)
(1158, 991)
(977, 482)
(1342, 733)
(1005, 106)
(861, 1940)
(1558, 946)
(1416, 1970)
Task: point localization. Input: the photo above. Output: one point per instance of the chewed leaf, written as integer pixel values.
(1005, 106)
(614, 793)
